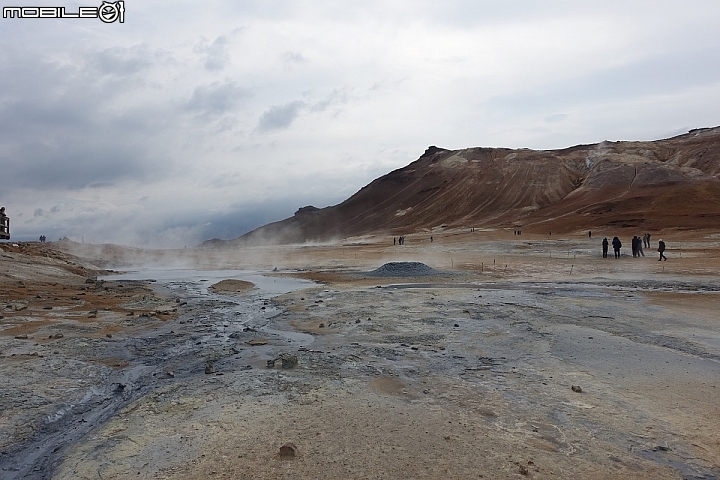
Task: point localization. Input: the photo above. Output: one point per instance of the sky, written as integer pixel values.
(195, 120)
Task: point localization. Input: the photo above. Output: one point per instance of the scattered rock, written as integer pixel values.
(170, 374)
(288, 450)
(322, 325)
(523, 470)
(288, 360)
(108, 335)
(271, 363)
(209, 368)
(21, 337)
(357, 321)
(57, 335)
(47, 307)
(257, 342)
(576, 388)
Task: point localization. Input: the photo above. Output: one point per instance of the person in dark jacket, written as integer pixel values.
(661, 249)
(605, 247)
(617, 245)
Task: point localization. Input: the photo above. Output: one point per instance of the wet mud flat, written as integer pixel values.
(463, 375)
(69, 366)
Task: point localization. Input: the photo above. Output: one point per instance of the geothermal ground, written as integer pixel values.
(521, 357)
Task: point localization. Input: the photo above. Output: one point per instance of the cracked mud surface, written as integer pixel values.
(461, 376)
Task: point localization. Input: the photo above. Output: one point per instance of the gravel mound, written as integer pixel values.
(403, 269)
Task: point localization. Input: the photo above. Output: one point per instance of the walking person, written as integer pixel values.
(617, 245)
(633, 245)
(661, 249)
(605, 247)
(640, 247)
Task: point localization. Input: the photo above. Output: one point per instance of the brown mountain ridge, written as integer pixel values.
(656, 185)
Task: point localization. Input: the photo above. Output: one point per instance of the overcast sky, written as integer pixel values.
(200, 119)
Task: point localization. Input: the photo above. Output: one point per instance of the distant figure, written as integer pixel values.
(3, 227)
(640, 247)
(661, 249)
(431, 239)
(550, 232)
(589, 233)
(634, 246)
(645, 242)
(648, 240)
(394, 241)
(605, 247)
(617, 245)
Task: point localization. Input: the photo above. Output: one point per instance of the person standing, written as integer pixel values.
(661, 249)
(617, 245)
(640, 246)
(648, 240)
(605, 247)
(633, 245)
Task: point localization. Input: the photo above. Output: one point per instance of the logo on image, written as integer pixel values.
(108, 12)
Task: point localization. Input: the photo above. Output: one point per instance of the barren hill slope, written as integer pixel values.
(672, 183)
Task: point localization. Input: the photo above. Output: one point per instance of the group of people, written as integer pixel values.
(43, 238)
(400, 240)
(637, 245)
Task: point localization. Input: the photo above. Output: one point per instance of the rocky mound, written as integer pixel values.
(404, 269)
(232, 286)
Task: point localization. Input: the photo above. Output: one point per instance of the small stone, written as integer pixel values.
(576, 388)
(47, 307)
(209, 368)
(271, 363)
(21, 337)
(171, 374)
(523, 470)
(288, 450)
(456, 325)
(322, 325)
(357, 321)
(288, 360)
(108, 335)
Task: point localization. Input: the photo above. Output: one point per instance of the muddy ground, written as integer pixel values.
(467, 374)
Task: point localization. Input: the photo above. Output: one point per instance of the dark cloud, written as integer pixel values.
(215, 54)
(123, 61)
(217, 98)
(64, 128)
(279, 117)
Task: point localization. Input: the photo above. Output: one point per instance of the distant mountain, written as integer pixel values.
(672, 183)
